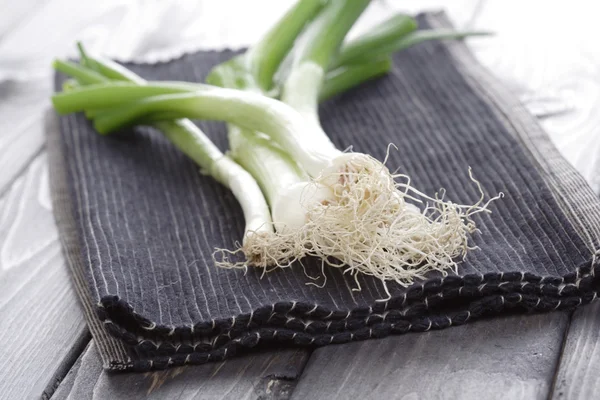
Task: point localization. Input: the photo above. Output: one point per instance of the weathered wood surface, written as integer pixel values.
(579, 368)
(42, 329)
(94, 369)
(21, 126)
(264, 375)
(503, 358)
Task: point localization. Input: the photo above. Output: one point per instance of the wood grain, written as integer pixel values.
(264, 375)
(579, 368)
(503, 358)
(66, 385)
(21, 126)
(43, 330)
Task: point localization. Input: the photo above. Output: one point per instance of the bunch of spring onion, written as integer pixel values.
(345, 208)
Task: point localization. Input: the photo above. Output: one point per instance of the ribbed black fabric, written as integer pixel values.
(146, 222)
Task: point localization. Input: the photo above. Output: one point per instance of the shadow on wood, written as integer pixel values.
(503, 358)
(264, 375)
(579, 368)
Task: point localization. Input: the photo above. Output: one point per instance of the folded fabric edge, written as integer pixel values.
(114, 354)
(134, 329)
(164, 356)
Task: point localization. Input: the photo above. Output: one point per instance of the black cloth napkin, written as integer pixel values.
(139, 222)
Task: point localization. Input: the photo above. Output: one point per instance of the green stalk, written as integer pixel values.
(184, 134)
(248, 110)
(376, 48)
(312, 148)
(84, 75)
(319, 44)
(389, 31)
(265, 57)
(108, 68)
(109, 94)
(346, 77)
(325, 34)
(378, 40)
(193, 142)
(252, 113)
(273, 169)
(98, 97)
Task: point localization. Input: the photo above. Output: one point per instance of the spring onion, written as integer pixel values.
(345, 208)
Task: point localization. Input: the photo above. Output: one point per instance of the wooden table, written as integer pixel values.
(45, 348)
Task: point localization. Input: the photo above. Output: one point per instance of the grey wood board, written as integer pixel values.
(262, 375)
(21, 126)
(512, 357)
(43, 329)
(79, 384)
(579, 368)
(66, 385)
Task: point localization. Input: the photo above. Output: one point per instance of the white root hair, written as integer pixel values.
(370, 226)
(267, 250)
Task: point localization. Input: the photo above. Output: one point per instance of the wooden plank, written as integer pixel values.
(577, 375)
(21, 126)
(78, 385)
(43, 329)
(261, 375)
(510, 358)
